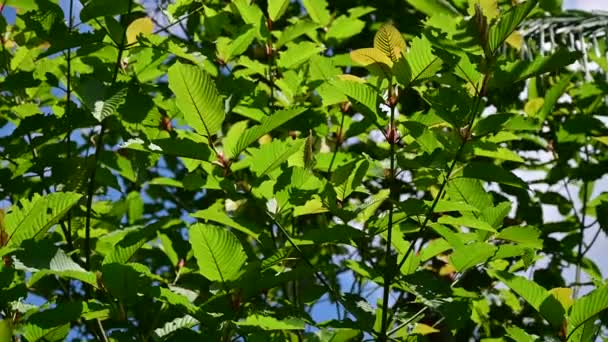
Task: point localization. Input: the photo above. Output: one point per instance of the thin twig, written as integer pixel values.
(98, 149)
(388, 272)
(579, 258)
(473, 113)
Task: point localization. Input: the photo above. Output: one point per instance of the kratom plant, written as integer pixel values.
(302, 171)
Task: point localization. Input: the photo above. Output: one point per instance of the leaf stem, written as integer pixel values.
(68, 230)
(339, 141)
(473, 113)
(98, 149)
(389, 267)
(583, 216)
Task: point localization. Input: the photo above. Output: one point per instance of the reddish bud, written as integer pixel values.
(392, 100)
(181, 263)
(166, 124)
(7, 261)
(123, 152)
(392, 135)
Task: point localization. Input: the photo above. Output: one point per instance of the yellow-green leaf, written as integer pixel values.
(373, 60)
(390, 41)
(139, 26)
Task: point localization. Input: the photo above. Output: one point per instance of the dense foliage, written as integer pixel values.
(311, 170)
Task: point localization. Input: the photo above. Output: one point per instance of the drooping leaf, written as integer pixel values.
(197, 98)
(508, 22)
(552, 95)
(492, 173)
(218, 252)
(32, 217)
(538, 297)
(526, 236)
(362, 94)
(586, 308)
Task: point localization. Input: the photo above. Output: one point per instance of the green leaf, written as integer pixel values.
(519, 335)
(102, 8)
(52, 324)
(296, 30)
(390, 41)
(344, 27)
(106, 108)
(6, 330)
(252, 15)
(508, 22)
(469, 191)
(317, 10)
(276, 8)
(363, 94)
(271, 323)
(537, 296)
(348, 177)
(552, 95)
(32, 217)
(270, 156)
(420, 63)
(525, 236)
(432, 7)
(490, 172)
(218, 252)
(130, 243)
(197, 97)
(217, 213)
(445, 206)
(227, 49)
(143, 26)
(268, 124)
(185, 322)
(471, 255)
(297, 54)
(467, 221)
(62, 266)
(587, 307)
(513, 72)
